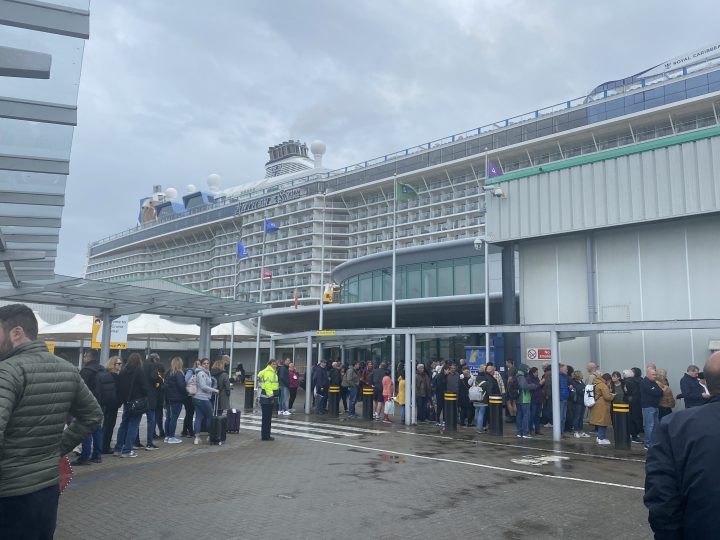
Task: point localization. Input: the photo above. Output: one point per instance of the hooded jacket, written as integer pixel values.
(600, 412)
(526, 386)
(205, 384)
(38, 391)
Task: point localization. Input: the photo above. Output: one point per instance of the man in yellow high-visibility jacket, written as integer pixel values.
(267, 384)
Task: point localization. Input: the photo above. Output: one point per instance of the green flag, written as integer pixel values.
(405, 192)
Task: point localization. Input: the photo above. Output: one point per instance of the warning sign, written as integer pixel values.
(538, 354)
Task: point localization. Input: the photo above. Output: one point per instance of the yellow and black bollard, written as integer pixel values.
(334, 401)
(451, 411)
(367, 402)
(249, 393)
(495, 420)
(621, 427)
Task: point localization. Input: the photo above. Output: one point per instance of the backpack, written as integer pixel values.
(191, 386)
(478, 392)
(513, 389)
(589, 395)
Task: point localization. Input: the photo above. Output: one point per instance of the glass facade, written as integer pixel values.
(452, 277)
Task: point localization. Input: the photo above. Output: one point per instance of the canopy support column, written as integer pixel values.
(555, 367)
(408, 381)
(105, 339)
(308, 376)
(204, 344)
(413, 371)
(272, 348)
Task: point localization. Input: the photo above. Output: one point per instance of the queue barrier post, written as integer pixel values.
(249, 393)
(621, 427)
(367, 402)
(334, 401)
(495, 410)
(450, 410)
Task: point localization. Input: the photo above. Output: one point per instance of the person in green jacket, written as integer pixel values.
(38, 391)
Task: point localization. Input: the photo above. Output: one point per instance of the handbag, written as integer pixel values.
(136, 406)
(389, 407)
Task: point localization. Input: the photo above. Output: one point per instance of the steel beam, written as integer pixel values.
(37, 111)
(43, 17)
(22, 63)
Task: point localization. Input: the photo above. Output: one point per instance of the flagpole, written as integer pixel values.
(232, 326)
(262, 279)
(394, 260)
(322, 277)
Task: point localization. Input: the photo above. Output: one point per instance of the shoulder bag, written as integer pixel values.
(136, 406)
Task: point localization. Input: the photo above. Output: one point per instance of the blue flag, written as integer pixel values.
(242, 251)
(494, 170)
(270, 227)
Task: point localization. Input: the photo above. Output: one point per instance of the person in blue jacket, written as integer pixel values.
(691, 390)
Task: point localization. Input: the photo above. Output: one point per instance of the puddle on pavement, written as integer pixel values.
(392, 458)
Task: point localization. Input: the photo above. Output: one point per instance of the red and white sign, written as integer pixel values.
(538, 354)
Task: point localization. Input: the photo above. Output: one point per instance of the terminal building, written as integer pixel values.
(601, 208)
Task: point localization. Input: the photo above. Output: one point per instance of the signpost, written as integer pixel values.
(474, 356)
(118, 333)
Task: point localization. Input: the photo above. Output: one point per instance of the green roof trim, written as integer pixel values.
(664, 142)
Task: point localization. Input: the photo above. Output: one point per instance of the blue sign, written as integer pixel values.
(475, 356)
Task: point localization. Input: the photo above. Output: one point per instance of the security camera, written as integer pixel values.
(478, 243)
(498, 192)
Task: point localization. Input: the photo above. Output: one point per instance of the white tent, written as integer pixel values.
(78, 327)
(244, 331)
(146, 326)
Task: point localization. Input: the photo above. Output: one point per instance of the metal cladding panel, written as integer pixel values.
(667, 182)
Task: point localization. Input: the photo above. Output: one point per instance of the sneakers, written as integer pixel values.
(604, 442)
(197, 440)
(387, 422)
(285, 413)
(636, 440)
(117, 453)
(132, 454)
(151, 446)
(519, 436)
(527, 436)
(166, 439)
(96, 460)
(583, 434)
(577, 435)
(173, 440)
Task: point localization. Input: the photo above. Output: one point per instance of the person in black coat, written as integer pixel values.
(682, 482)
(691, 390)
(175, 395)
(465, 407)
(110, 410)
(131, 386)
(153, 370)
(632, 395)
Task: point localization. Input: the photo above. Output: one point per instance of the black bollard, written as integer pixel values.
(451, 411)
(495, 410)
(249, 394)
(621, 430)
(367, 402)
(334, 401)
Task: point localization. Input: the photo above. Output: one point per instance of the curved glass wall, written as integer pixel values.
(451, 277)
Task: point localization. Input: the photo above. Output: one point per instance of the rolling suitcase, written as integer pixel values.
(217, 430)
(233, 421)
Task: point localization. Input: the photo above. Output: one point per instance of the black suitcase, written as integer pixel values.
(233, 421)
(217, 430)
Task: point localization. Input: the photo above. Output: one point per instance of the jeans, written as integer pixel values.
(578, 417)
(535, 412)
(563, 414)
(171, 418)
(127, 432)
(321, 402)
(203, 411)
(650, 420)
(402, 414)
(421, 402)
(95, 439)
(33, 515)
(480, 417)
(293, 394)
(602, 432)
(150, 416)
(522, 422)
(282, 406)
(353, 399)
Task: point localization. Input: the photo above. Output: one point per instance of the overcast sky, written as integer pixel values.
(172, 91)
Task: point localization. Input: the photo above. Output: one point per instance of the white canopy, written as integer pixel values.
(78, 327)
(148, 326)
(244, 331)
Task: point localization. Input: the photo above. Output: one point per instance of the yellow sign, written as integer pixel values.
(325, 333)
(50, 346)
(118, 331)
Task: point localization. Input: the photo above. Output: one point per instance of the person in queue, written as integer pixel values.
(600, 413)
(423, 393)
(268, 386)
(294, 385)
(682, 480)
(132, 385)
(691, 390)
(175, 395)
(201, 400)
(188, 422)
(110, 410)
(38, 391)
(222, 380)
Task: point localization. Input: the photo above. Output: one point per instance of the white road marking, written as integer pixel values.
(305, 429)
(489, 443)
(290, 420)
(283, 432)
(538, 461)
(483, 466)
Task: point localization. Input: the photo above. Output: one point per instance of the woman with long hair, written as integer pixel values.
(223, 385)
(201, 399)
(294, 384)
(110, 410)
(175, 395)
(131, 385)
(188, 429)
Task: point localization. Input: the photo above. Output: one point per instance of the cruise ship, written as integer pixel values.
(335, 226)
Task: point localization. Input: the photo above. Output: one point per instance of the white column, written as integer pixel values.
(308, 376)
(105, 337)
(409, 386)
(413, 372)
(555, 366)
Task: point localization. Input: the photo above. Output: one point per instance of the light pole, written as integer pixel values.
(482, 243)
